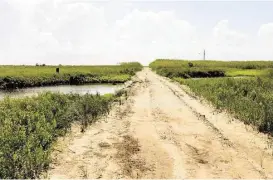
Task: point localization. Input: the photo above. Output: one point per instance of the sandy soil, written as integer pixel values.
(162, 131)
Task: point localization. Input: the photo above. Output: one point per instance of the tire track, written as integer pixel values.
(160, 132)
(223, 139)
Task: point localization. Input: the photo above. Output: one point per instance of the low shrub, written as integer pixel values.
(29, 126)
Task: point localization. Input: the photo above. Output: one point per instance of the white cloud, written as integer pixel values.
(228, 37)
(78, 32)
(8, 24)
(148, 35)
(54, 30)
(229, 44)
(266, 34)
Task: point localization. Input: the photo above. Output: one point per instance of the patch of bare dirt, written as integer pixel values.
(132, 166)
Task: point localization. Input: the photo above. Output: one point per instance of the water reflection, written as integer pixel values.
(80, 89)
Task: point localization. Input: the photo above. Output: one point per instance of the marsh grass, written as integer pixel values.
(208, 69)
(250, 99)
(29, 126)
(12, 77)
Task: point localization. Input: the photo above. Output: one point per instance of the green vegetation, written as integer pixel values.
(12, 77)
(198, 69)
(213, 64)
(29, 126)
(247, 72)
(249, 99)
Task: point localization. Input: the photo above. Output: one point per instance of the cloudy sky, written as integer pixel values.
(107, 32)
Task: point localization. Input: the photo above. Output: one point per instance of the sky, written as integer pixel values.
(109, 32)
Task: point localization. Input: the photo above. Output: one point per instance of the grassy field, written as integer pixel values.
(12, 77)
(249, 98)
(198, 69)
(29, 127)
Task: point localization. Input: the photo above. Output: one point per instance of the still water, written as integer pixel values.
(79, 89)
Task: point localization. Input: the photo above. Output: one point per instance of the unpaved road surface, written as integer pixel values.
(161, 131)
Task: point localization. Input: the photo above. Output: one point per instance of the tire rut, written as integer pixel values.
(223, 139)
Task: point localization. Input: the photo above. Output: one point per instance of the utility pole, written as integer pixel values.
(204, 54)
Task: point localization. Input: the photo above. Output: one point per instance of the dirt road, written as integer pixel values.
(162, 132)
